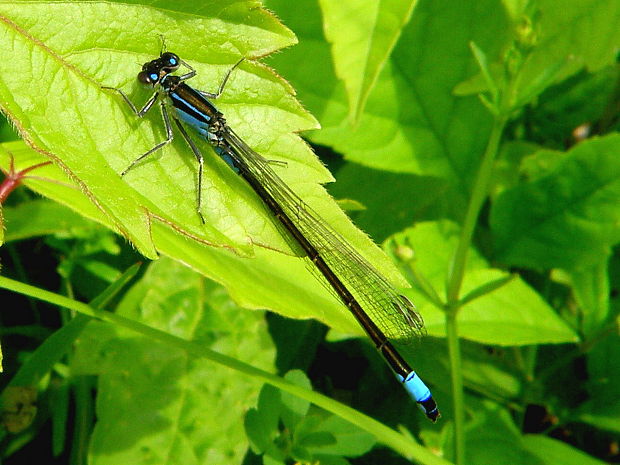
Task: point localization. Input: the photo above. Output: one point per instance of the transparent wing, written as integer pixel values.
(393, 313)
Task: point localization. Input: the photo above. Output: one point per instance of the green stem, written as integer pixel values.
(457, 386)
(455, 280)
(83, 421)
(478, 197)
(385, 435)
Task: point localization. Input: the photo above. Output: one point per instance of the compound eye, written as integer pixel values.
(146, 77)
(170, 60)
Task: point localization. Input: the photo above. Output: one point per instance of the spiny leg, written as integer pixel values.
(278, 163)
(186, 76)
(147, 106)
(200, 159)
(223, 83)
(169, 138)
(163, 44)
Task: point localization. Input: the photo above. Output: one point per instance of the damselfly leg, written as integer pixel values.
(168, 126)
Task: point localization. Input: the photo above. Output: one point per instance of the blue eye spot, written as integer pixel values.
(173, 61)
(153, 77)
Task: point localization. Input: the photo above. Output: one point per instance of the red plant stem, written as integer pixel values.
(14, 178)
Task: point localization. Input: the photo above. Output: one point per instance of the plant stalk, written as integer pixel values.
(455, 281)
(400, 443)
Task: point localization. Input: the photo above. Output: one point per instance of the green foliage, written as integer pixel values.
(525, 318)
(566, 218)
(282, 426)
(362, 35)
(459, 124)
(155, 402)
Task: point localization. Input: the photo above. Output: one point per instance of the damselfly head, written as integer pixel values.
(169, 61)
(154, 71)
(150, 76)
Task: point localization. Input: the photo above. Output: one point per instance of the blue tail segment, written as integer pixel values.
(421, 394)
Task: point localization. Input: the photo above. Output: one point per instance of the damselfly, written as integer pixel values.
(374, 302)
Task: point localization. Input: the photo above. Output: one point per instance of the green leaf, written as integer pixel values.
(578, 33)
(269, 407)
(602, 410)
(592, 94)
(362, 34)
(39, 218)
(566, 219)
(388, 198)
(262, 424)
(56, 346)
(286, 284)
(318, 439)
(42, 361)
(300, 454)
(512, 314)
(553, 41)
(486, 288)
(396, 132)
(483, 63)
(350, 205)
(51, 182)
(59, 398)
(485, 81)
(602, 415)
(591, 287)
(537, 85)
(550, 451)
(294, 408)
(165, 185)
(284, 429)
(350, 441)
(268, 460)
(489, 372)
(412, 122)
(492, 372)
(88, 123)
(537, 163)
(258, 437)
(155, 402)
(493, 437)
